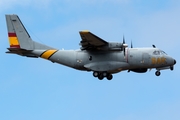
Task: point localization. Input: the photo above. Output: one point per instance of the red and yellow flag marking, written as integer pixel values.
(13, 40)
(48, 53)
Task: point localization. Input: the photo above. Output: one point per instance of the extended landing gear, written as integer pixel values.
(157, 73)
(95, 74)
(171, 68)
(109, 77)
(102, 75)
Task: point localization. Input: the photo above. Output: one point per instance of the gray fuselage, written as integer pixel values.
(110, 61)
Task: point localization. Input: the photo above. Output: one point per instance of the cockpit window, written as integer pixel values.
(157, 52)
(163, 53)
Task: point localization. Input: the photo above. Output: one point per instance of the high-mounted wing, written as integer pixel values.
(90, 41)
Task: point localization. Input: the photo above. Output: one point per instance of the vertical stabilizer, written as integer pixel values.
(19, 37)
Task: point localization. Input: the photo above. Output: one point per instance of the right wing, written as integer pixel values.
(90, 41)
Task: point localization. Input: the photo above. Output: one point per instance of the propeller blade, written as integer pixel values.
(124, 50)
(123, 40)
(131, 44)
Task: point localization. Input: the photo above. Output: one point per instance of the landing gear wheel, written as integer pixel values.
(158, 73)
(95, 74)
(172, 68)
(109, 77)
(100, 77)
(105, 74)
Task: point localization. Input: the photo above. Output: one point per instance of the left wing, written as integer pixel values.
(90, 41)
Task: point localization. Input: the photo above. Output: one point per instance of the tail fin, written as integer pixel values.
(19, 39)
(18, 36)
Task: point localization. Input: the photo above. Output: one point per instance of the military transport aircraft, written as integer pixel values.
(97, 55)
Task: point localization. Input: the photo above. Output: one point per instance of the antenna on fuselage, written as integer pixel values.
(154, 46)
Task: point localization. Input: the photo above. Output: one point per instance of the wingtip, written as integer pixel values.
(84, 31)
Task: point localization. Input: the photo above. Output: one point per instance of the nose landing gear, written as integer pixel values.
(171, 67)
(157, 73)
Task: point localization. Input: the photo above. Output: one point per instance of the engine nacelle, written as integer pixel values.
(115, 46)
(139, 70)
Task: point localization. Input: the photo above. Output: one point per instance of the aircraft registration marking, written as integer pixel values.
(160, 60)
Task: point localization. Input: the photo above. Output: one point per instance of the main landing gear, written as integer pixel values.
(102, 75)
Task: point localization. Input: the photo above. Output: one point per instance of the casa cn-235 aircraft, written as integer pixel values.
(97, 55)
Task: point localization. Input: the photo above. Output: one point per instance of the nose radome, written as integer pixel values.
(174, 61)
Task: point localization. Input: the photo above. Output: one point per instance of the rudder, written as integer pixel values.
(18, 35)
(19, 39)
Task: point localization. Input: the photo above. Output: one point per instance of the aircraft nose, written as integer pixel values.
(174, 61)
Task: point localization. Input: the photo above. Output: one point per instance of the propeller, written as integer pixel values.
(123, 40)
(131, 44)
(124, 46)
(124, 49)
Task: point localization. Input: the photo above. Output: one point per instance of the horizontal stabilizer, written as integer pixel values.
(21, 52)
